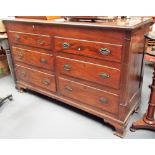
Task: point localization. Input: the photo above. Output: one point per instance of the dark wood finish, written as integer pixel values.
(41, 41)
(97, 73)
(125, 24)
(99, 50)
(32, 17)
(121, 78)
(89, 95)
(106, 35)
(34, 58)
(36, 78)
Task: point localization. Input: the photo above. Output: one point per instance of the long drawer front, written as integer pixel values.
(104, 75)
(36, 78)
(33, 58)
(89, 95)
(99, 50)
(41, 41)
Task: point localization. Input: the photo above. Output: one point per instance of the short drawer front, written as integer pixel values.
(41, 41)
(28, 27)
(36, 78)
(104, 75)
(89, 95)
(34, 58)
(105, 51)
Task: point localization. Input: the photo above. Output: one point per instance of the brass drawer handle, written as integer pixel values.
(40, 42)
(104, 75)
(20, 55)
(46, 82)
(103, 100)
(23, 73)
(66, 45)
(68, 88)
(43, 61)
(104, 51)
(67, 67)
(17, 37)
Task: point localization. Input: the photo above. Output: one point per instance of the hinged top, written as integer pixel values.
(131, 23)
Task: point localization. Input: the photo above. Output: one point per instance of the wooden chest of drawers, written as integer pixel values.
(96, 67)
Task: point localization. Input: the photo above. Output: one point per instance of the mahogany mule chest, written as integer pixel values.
(96, 67)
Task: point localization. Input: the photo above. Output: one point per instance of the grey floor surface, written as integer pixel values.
(31, 115)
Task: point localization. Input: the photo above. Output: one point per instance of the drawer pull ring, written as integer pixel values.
(17, 37)
(104, 51)
(67, 67)
(43, 61)
(40, 42)
(23, 73)
(66, 45)
(46, 82)
(20, 55)
(103, 100)
(104, 75)
(68, 88)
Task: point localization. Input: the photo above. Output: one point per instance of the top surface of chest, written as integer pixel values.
(130, 23)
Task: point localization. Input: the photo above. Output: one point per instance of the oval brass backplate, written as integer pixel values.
(43, 61)
(68, 88)
(66, 45)
(103, 100)
(104, 75)
(67, 67)
(46, 82)
(104, 51)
